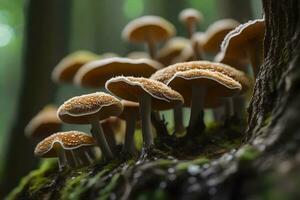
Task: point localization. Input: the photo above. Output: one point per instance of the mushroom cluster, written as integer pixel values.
(143, 84)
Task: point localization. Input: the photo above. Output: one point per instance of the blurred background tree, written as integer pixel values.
(94, 25)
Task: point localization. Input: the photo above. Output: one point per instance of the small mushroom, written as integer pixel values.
(110, 125)
(246, 41)
(130, 114)
(90, 109)
(197, 45)
(150, 94)
(43, 124)
(216, 33)
(198, 86)
(149, 30)
(66, 69)
(171, 50)
(96, 73)
(190, 18)
(63, 145)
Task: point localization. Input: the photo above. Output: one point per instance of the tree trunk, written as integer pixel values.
(45, 44)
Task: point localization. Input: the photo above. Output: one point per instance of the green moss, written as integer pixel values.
(36, 179)
(248, 153)
(185, 164)
(74, 185)
(107, 190)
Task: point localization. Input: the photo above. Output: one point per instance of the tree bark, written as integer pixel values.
(45, 44)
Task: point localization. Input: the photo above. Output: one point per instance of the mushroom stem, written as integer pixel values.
(62, 159)
(82, 156)
(191, 29)
(71, 159)
(255, 51)
(129, 145)
(151, 48)
(228, 108)
(218, 112)
(178, 119)
(145, 113)
(100, 138)
(239, 107)
(110, 136)
(197, 102)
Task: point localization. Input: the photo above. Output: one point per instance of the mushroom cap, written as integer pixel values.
(108, 55)
(148, 27)
(96, 73)
(67, 140)
(232, 61)
(216, 83)
(44, 123)
(113, 122)
(165, 74)
(171, 49)
(66, 69)
(187, 54)
(129, 107)
(243, 35)
(190, 15)
(80, 109)
(138, 55)
(132, 88)
(216, 33)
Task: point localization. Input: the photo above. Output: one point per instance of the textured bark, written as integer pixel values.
(45, 44)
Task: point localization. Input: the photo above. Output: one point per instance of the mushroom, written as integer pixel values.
(216, 33)
(171, 50)
(165, 74)
(201, 85)
(196, 44)
(108, 55)
(43, 124)
(111, 127)
(190, 18)
(63, 145)
(246, 41)
(150, 94)
(90, 109)
(96, 73)
(149, 30)
(130, 114)
(65, 70)
(138, 55)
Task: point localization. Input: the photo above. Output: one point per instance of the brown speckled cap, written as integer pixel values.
(190, 15)
(67, 140)
(68, 66)
(139, 30)
(216, 33)
(44, 123)
(217, 85)
(171, 50)
(250, 32)
(96, 73)
(164, 75)
(131, 88)
(80, 109)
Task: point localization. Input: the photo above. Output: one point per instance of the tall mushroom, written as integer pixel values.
(149, 30)
(66, 69)
(96, 73)
(246, 41)
(90, 109)
(171, 50)
(150, 94)
(43, 124)
(199, 86)
(215, 34)
(190, 18)
(62, 145)
(130, 114)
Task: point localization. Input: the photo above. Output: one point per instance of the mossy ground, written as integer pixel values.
(156, 174)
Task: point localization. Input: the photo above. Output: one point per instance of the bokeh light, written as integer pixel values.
(133, 8)
(6, 34)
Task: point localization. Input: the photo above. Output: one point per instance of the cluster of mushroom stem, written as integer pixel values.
(145, 113)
